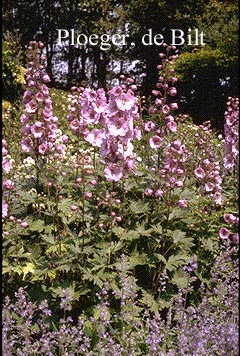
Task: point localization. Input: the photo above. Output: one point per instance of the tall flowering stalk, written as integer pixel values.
(207, 170)
(116, 150)
(231, 134)
(7, 184)
(39, 128)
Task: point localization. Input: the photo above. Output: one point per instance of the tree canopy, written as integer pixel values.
(202, 70)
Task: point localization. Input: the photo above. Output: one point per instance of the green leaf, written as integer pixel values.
(179, 278)
(138, 259)
(138, 207)
(37, 225)
(178, 236)
(29, 268)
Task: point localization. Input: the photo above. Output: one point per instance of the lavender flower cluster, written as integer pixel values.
(207, 329)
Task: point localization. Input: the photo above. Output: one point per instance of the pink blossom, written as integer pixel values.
(88, 195)
(44, 89)
(182, 203)
(126, 101)
(6, 165)
(25, 119)
(93, 182)
(158, 102)
(230, 218)
(4, 209)
(113, 172)
(117, 126)
(74, 207)
(179, 183)
(209, 187)
(129, 165)
(158, 193)
(8, 184)
(4, 151)
(65, 138)
(46, 78)
(95, 137)
(31, 107)
(224, 233)
(152, 110)
(166, 109)
(27, 144)
(235, 239)
(172, 91)
(173, 106)
(199, 173)
(24, 224)
(149, 126)
(37, 129)
(217, 198)
(148, 192)
(172, 126)
(27, 96)
(61, 148)
(155, 141)
(43, 148)
(39, 96)
(137, 133)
